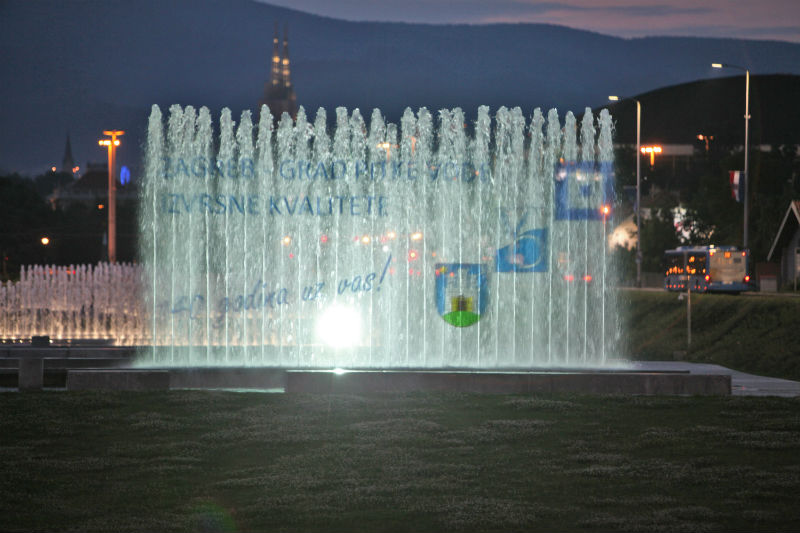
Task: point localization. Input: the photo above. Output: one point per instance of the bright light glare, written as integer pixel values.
(339, 327)
(339, 371)
(651, 149)
(613, 98)
(716, 65)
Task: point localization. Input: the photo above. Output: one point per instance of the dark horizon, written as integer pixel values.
(63, 80)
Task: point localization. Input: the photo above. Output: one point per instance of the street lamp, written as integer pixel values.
(706, 138)
(638, 185)
(112, 144)
(746, 138)
(652, 151)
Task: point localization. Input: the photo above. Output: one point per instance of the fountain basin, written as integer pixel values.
(521, 382)
(111, 368)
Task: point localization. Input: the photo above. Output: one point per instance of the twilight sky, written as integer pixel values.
(747, 19)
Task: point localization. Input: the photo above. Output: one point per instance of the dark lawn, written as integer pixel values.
(754, 333)
(223, 461)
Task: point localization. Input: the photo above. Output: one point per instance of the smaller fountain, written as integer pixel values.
(73, 303)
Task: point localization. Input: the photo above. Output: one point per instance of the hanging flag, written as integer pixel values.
(737, 184)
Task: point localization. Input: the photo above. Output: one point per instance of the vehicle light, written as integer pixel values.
(587, 278)
(569, 277)
(747, 279)
(708, 278)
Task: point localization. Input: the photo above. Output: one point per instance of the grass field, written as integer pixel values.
(754, 333)
(223, 461)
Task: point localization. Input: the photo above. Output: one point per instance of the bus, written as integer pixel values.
(707, 269)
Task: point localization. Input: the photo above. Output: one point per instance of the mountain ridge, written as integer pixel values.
(101, 65)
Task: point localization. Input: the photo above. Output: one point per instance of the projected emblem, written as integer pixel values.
(526, 254)
(461, 292)
(582, 191)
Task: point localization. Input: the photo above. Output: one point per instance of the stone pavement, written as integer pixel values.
(742, 384)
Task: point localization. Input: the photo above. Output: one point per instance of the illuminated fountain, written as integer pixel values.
(75, 303)
(434, 244)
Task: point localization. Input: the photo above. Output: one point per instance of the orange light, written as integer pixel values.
(727, 255)
(569, 277)
(365, 239)
(746, 279)
(652, 151)
(708, 278)
(417, 235)
(606, 209)
(100, 206)
(287, 241)
(45, 241)
(587, 278)
(52, 169)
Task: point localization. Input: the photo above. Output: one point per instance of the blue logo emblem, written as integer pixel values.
(462, 292)
(582, 192)
(526, 254)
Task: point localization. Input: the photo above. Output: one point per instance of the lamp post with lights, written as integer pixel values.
(112, 144)
(746, 141)
(638, 185)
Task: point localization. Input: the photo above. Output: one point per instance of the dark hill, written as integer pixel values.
(86, 66)
(715, 107)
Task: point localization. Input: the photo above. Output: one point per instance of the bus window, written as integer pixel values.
(673, 263)
(696, 264)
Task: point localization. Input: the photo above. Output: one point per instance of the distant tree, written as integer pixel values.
(46, 183)
(25, 218)
(716, 218)
(658, 234)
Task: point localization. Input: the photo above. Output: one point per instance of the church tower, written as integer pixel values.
(67, 162)
(279, 94)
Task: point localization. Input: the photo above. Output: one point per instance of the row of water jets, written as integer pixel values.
(74, 303)
(257, 241)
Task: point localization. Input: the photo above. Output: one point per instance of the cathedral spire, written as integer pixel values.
(279, 94)
(67, 162)
(285, 73)
(275, 73)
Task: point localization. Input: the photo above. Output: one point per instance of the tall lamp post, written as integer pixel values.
(638, 185)
(746, 141)
(112, 144)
